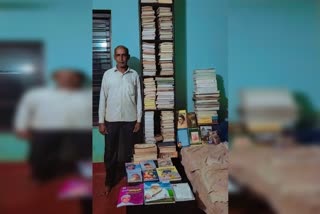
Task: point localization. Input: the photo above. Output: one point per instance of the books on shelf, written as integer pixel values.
(182, 119)
(168, 173)
(182, 192)
(158, 193)
(192, 120)
(194, 136)
(131, 195)
(148, 23)
(167, 126)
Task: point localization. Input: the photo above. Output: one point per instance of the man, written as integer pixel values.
(57, 121)
(155, 192)
(120, 112)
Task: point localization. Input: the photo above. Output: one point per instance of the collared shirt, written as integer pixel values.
(120, 96)
(54, 109)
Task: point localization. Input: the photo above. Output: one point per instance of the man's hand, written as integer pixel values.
(103, 128)
(136, 127)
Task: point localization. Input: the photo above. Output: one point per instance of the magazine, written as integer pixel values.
(130, 196)
(148, 164)
(150, 175)
(132, 166)
(182, 192)
(134, 176)
(158, 193)
(168, 173)
(164, 162)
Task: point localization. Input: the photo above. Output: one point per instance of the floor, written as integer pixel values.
(19, 193)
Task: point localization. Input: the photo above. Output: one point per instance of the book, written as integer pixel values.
(147, 164)
(131, 195)
(134, 176)
(132, 166)
(205, 131)
(194, 136)
(183, 137)
(192, 120)
(150, 175)
(168, 173)
(164, 162)
(182, 192)
(182, 119)
(158, 193)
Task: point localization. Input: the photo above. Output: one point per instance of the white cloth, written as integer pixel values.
(120, 96)
(54, 109)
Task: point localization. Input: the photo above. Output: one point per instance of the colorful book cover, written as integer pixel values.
(168, 173)
(204, 132)
(134, 176)
(182, 119)
(132, 166)
(130, 196)
(148, 164)
(194, 136)
(183, 137)
(158, 193)
(150, 175)
(164, 162)
(192, 120)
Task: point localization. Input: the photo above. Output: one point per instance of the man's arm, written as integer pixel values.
(102, 105)
(139, 105)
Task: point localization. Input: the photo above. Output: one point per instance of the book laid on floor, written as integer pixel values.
(132, 166)
(148, 164)
(134, 176)
(158, 193)
(164, 162)
(150, 175)
(182, 192)
(130, 196)
(168, 173)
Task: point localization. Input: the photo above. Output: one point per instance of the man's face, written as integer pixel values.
(121, 57)
(67, 79)
(180, 120)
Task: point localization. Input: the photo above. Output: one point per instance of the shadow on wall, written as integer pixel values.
(223, 112)
(180, 54)
(135, 64)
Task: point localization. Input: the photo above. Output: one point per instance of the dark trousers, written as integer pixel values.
(56, 153)
(118, 149)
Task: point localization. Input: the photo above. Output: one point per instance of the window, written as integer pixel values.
(101, 53)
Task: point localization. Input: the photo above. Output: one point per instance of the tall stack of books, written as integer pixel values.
(149, 94)
(144, 152)
(148, 59)
(206, 96)
(149, 124)
(167, 126)
(148, 22)
(166, 58)
(165, 92)
(165, 24)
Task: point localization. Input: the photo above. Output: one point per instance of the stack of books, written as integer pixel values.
(165, 92)
(149, 94)
(206, 96)
(167, 150)
(167, 126)
(165, 24)
(148, 59)
(144, 152)
(149, 127)
(166, 58)
(148, 23)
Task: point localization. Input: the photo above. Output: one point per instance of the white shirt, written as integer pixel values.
(120, 96)
(54, 109)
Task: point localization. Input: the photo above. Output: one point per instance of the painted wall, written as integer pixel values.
(273, 44)
(66, 33)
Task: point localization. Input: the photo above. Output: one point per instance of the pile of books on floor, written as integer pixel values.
(167, 150)
(149, 184)
(148, 23)
(145, 151)
(206, 96)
